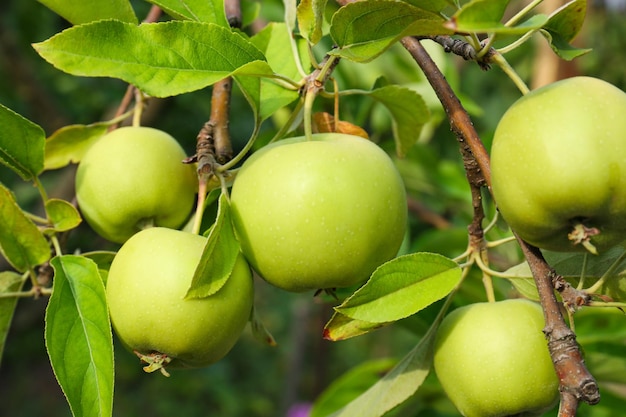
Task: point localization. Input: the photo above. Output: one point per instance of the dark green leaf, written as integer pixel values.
(409, 114)
(79, 11)
(68, 144)
(219, 255)
(21, 242)
(9, 282)
(78, 336)
(62, 214)
(398, 385)
(349, 386)
(365, 29)
(161, 59)
(341, 327)
(259, 331)
(402, 287)
(311, 18)
(21, 144)
(435, 6)
(561, 47)
(208, 11)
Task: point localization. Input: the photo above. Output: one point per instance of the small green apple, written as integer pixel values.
(492, 360)
(145, 289)
(319, 214)
(132, 178)
(558, 165)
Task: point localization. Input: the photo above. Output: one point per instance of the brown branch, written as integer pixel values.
(575, 380)
(220, 105)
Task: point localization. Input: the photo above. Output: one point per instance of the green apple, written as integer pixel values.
(492, 360)
(319, 214)
(133, 178)
(558, 165)
(145, 289)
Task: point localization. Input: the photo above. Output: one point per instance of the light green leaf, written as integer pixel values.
(21, 144)
(402, 287)
(70, 143)
(409, 114)
(484, 16)
(208, 11)
(219, 255)
(311, 18)
(435, 6)
(21, 242)
(341, 327)
(396, 386)
(365, 29)
(161, 59)
(349, 386)
(79, 11)
(9, 282)
(563, 48)
(78, 336)
(62, 214)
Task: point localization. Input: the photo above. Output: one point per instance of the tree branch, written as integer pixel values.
(575, 380)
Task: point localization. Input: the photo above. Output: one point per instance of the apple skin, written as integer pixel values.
(134, 177)
(559, 157)
(492, 360)
(319, 214)
(145, 290)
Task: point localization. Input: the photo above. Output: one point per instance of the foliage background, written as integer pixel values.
(255, 380)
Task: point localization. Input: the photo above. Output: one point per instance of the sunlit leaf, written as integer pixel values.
(9, 282)
(63, 215)
(208, 11)
(21, 144)
(310, 19)
(435, 6)
(161, 59)
(21, 242)
(365, 29)
(78, 336)
(70, 143)
(402, 287)
(219, 255)
(80, 11)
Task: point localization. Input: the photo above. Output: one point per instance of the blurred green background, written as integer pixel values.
(255, 380)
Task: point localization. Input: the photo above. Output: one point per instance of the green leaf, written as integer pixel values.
(396, 386)
(78, 336)
(161, 59)
(402, 287)
(365, 29)
(259, 331)
(70, 143)
(485, 16)
(349, 386)
(78, 11)
(103, 259)
(211, 11)
(62, 214)
(409, 114)
(435, 6)
(219, 255)
(561, 47)
(341, 327)
(311, 18)
(9, 282)
(21, 242)
(21, 144)
(275, 43)
(567, 20)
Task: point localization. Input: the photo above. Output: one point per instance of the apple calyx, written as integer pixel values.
(581, 235)
(156, 361)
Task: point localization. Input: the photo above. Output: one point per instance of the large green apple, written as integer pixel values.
(558, 160)
(319, 214)
(492, 360)
(146, 286)
(133, 178)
